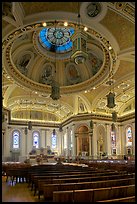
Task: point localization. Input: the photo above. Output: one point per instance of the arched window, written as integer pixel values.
(113, 142)
(129, 136)
(36, 139)
(54, 140)
(16, 139)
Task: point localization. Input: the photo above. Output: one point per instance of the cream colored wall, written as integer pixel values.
(45, 135)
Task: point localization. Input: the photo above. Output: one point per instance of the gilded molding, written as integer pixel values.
(109, 62)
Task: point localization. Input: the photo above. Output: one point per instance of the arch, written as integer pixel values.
(54, 140)
(83, 140)
(16, 136)
(101, 140)
(36, 139)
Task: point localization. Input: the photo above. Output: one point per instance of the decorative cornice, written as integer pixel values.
(125, 8)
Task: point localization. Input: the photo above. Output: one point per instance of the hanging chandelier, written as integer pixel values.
(55, 90)
(111, 95)
(113, 127)
(79, 39)
(30, 123)
(114, 116)
(79, 47)
(111, 100)
(60, 128)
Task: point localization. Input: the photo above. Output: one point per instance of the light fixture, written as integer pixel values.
(113, 127)
(65, 23)
(110, 48)
(85, 29)
(111, 95)
(91, 124)
(114, 116)
(60, 128)
(111, 100)
(44, 24)
(55, 88)
(79, 38)
(30, 123)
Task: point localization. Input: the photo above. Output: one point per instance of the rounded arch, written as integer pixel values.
(101, 140)
(83, 140)
(16, 139)
(36, 139)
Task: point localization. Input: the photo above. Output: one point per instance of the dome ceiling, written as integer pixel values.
(34, 55)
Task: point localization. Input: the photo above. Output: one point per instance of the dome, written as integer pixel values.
(85, 65)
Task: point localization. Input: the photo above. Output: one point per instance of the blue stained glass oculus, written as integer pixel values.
(56, 39)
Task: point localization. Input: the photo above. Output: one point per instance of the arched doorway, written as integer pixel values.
(83, 141)
(101, 143)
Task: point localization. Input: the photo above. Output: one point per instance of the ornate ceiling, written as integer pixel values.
(29, 67)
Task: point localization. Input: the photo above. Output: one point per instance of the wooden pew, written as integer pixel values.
(50, 188)
(92, 178)
(40, 179)
(113, 192)
(105, 193)
(36, 178)
(94, 195)
(77, 180)
(126, 199)
(63, 196)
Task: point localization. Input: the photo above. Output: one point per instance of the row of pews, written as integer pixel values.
(92, 182)
(68, 183)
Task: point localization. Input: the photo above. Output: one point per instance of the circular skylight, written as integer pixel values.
(56, 39)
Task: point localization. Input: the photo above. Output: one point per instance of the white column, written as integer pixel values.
(23, 142)
(73, 141)
(76, 143)
(133, 138)
(123, 140)
(7, 142)
(62, 140)
(58, 147)
(94, 141)
(42, 136)
(118, 141)
(29, 141)
(68, 141)
(90, 144)
(108, 139)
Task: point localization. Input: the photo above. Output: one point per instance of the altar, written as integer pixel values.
(41, 155)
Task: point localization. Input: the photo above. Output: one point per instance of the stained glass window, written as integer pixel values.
(54, 140)
(113, 142)
(129, 136)
(36, 139)
(16, 140)
(56, 39)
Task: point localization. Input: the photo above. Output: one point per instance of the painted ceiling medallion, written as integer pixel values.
(93, 9)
